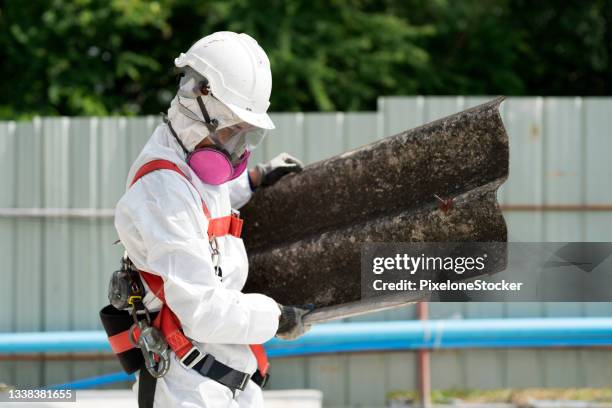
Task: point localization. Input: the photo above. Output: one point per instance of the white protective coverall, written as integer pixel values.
(162, 226)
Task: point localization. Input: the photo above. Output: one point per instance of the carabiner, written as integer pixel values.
(215, 253)
(154, 350)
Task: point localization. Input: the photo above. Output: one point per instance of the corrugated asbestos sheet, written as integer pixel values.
(384, 191)
(53, 271)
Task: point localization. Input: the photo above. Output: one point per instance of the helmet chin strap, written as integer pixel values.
(211, 124)
(193, 86)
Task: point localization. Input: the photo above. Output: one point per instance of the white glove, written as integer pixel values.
(275, 169)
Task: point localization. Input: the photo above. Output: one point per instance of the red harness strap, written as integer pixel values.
(259, 352)
(217, 227)
(230, 224)
(121, 342)
(170, 325)
(166, 320)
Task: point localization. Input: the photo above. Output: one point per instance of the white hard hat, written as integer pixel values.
(238, 72)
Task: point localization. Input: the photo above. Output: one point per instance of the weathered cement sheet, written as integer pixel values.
(304, 234)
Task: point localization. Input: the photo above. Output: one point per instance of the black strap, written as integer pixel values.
(146, 389)
(203, 109)
(208, 367)
(210, 124)
(215, 370)
(259, 379)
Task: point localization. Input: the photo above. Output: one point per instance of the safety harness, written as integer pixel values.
(168, 323)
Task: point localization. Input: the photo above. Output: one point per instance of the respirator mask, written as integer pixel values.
(233, 139)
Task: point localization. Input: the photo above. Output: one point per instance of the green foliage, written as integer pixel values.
(99, 57)
(517, 397)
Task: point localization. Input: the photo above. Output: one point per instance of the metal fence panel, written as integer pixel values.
(329, 374)
(400, 113)
(360, 128)
(287, 137)
(56, 284)
(54, 271)
(323, 136)
(448, 370)
(598, 139)
(8, 148)
(563, 178)
(364, 373)
(8, 231)
(524, 368)
(28, 277)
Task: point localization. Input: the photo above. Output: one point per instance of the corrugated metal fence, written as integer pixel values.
(54, 270)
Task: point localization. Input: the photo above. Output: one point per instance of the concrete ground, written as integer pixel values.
(126, 399)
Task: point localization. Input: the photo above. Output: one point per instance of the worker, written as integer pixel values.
(190, 178)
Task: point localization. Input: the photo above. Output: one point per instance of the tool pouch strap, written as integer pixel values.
(117, 324)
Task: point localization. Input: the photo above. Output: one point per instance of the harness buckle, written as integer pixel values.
(192, 357)
(244, 382)
(264, 381)
(260, 379)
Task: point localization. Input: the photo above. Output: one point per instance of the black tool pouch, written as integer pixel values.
(119, 321)
(125, 293)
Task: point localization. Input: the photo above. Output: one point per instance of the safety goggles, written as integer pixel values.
(237, 139)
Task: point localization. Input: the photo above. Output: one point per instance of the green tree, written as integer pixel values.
(98, 57)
